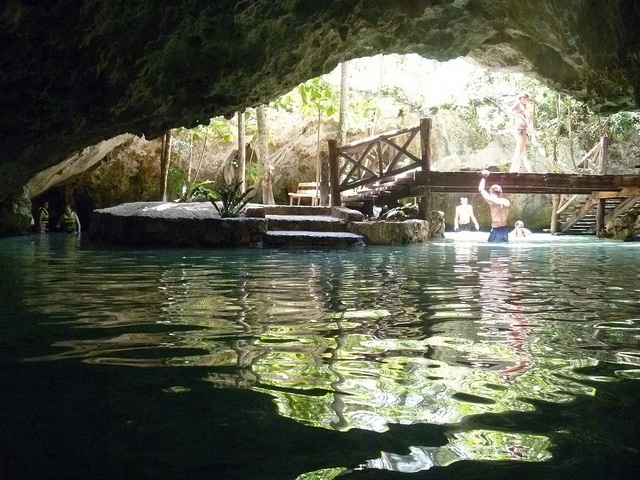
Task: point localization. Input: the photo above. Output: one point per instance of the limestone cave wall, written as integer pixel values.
(77, 72)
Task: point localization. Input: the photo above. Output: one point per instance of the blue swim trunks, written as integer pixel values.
(499, 234)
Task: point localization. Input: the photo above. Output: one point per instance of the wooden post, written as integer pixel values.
(555, 203)
(425, 143)
(323, 188)
(242, 152)
(334, 174)
(424, 205)
(425, 155)
(600, 216)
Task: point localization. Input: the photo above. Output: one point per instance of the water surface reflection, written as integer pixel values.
(453, 334)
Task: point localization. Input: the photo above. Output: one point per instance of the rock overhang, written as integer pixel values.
(76, 72)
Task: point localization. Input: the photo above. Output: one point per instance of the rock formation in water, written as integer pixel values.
(77, 72)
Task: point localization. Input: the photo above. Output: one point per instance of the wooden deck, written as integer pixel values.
(417, 183)
(530, 182)
(397, 165)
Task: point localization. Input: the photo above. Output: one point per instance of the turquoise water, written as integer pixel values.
(450, 360)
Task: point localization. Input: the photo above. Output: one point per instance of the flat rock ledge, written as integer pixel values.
(174, 224)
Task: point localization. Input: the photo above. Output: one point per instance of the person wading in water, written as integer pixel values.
(464, 217)
(70, 221)
(43, 218)
(499, 207)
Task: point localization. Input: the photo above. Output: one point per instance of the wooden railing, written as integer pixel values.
(372, 160)
(594, 161)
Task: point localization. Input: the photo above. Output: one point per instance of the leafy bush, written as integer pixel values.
(194, 191)
(404, 212)
(230, 200)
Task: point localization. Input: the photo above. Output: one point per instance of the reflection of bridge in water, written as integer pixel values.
(395, 165)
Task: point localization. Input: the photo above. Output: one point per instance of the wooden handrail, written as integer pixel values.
(373, 159)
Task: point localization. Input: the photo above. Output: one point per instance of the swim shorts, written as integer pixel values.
(499, 235)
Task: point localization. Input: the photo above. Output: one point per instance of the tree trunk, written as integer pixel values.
(318, 159)
(164, 164)
(190, 159)
(556, 139)
(263, 154)
(344, 102)
(242, 153)
(570, 135)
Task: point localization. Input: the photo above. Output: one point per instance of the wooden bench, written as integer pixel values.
(305, 190)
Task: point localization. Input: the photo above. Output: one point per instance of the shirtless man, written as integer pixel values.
(499, 207)
(521, 122)
(464, 217)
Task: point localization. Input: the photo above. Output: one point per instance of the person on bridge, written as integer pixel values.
(499, 207)
(464, 217)
(521, 123)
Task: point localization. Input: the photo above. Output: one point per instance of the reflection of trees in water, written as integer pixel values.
(475, 445)
(346, 339)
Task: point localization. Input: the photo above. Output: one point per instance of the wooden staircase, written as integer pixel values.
(582, 219)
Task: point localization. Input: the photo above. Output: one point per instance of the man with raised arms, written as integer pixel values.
(499, 207)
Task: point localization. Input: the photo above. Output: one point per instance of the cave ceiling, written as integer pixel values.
(76, 72)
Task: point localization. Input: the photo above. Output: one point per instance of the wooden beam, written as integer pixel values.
(360, 143)
(528, 182)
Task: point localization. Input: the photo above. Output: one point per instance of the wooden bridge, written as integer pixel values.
(394, 165)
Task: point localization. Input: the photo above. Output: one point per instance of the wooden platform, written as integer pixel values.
(529, 182)
(512, 183)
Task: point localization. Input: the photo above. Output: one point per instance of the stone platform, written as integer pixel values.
(174, 225)
(200, 225)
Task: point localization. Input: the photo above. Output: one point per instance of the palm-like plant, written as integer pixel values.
(229, 200)
(194, 191)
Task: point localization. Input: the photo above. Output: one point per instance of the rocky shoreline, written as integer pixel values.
(167, 224)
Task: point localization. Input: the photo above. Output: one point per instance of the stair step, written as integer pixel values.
(295, 210)
(301, 238)
(316, 223)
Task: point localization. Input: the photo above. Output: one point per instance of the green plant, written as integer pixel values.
(229, 200)
(401, 213)
(194, 191)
